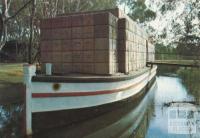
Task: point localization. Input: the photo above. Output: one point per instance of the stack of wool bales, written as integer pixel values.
(80, 43)
(126, 47)
(97, 42)
(132, 43)
(131, 46)
(141, 52)
(106, 61)
(55, 42)
(151, 52)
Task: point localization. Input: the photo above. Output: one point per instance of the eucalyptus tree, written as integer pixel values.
(15, 16)
(141, 12)
(183, 30)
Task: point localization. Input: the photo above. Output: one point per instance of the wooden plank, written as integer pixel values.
(173, 64)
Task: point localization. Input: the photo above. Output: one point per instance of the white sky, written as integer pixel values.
(161, 22)
(164, 21)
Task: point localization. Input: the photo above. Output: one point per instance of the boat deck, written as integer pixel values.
(88, 77)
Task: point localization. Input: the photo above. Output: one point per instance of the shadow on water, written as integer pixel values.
(11, 93)
(11, 109)
(164, 70)
(11, 121)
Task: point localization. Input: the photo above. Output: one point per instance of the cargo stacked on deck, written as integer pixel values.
(81, 43)
(151, 52)
(99, 42)
(141, 52)
(131, 46)
(125, 45)
(55, 42)
(105, 43)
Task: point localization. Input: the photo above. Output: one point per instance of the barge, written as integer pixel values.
(88, 60)
(53, 93)
(121, 119)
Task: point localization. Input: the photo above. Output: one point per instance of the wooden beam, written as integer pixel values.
(173, 64)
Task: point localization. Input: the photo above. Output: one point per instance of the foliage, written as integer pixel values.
(183, 30)
(191, 79)
(139, 11)
(17, 26)
(188, 43)
(165, 52)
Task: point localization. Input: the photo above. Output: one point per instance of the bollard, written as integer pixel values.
(48, 68)
(29, 72)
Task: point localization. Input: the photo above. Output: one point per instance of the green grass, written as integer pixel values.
(191, 79)
(11, 73)
(11, 88)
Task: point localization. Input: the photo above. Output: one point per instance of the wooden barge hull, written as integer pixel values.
(54, 93)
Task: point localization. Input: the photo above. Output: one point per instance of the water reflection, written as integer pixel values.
(11, 121)
(172, 93)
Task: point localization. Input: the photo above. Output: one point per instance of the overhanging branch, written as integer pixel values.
(16, 13)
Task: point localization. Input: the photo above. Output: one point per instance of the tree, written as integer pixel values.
(139, 11)
(15, 18)
(3, 21)
(187, 30)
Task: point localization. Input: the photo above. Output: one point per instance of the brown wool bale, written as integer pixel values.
(77, 56)
(67, 57)
(45, 47)
(77, 44)
(102, 31)
(57, 68)
(88, 56)
(77, 67)
(56, 57)
(88, 68)
(101, 56)
(105, 18)
(88, 32)
(88, 44)
(66, 45)
(77, 32)
(103, 44)
(77, 20)
(67, 68)
(88, 20)
(46, 57)
(102, 68)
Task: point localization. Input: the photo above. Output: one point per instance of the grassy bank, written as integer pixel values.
(191, 79)
(11, 88)
(11, 73)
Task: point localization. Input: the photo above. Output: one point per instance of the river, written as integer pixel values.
(168, 110)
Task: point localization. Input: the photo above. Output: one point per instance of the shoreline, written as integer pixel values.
(11, 86)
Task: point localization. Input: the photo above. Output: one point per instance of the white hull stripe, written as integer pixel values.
(72, 94)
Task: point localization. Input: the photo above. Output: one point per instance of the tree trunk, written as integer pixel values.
(31, 31)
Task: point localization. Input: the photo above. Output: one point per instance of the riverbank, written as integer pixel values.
(191, 79)
(11, 87)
